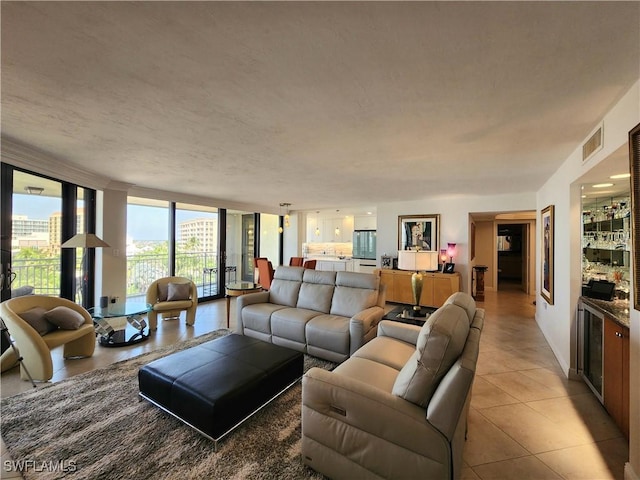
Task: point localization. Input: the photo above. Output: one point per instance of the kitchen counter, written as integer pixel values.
(617, 310)
(328, 258)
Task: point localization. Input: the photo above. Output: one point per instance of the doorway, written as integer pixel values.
(511, 248)
(505, 243)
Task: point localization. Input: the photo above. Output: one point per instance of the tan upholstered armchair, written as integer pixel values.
(169, 296)
(35, 348)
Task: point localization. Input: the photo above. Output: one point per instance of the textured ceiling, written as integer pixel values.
(315, 104)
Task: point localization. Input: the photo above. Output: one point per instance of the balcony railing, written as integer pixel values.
(200, 267)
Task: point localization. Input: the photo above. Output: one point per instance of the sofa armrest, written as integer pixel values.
(244, 300)
(252, 298)
(361, 323)
(401, 331)
(343, 400)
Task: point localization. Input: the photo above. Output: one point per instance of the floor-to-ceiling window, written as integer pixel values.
(147, 243)
(196, 248)
(210, 246)
(38, 214)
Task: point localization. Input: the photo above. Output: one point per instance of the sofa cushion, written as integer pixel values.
(329, 332)
(316, 291)
(178, 291)
(36, 318)
(440, 343)
(291, 322)
(372, 373)
(257, 316)
(358, 280)
(286, 286)
(65, 318)
(354, 293)
(387, 350)
(348, 301)
(463, 300)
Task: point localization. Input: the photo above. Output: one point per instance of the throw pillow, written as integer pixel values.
(440, 343)
(178, 291)
(36, 318)
(163, 291)
(65, 318)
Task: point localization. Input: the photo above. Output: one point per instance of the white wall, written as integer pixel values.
(292, 237)
(558, 321)
(112, 271)
(269, 237)
(454, 222)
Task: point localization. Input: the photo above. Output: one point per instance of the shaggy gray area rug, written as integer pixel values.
(93, 426)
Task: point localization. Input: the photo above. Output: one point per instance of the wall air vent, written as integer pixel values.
(593, 145)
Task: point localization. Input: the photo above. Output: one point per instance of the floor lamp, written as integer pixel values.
(84, 241)
(417, 261)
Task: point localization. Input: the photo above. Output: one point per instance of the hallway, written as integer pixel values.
(527, 421)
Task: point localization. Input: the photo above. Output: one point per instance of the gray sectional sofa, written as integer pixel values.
(397, 408)
(325, 314)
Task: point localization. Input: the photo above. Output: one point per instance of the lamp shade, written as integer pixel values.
(85, 240)
(417, 261)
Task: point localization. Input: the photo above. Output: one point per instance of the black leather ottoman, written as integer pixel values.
(215, 386)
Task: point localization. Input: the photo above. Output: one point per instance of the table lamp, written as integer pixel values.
(417, 261)
(451, 252)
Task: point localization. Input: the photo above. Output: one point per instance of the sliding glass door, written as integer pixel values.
(197, 247)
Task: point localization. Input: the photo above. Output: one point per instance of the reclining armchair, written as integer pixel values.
(397, 408)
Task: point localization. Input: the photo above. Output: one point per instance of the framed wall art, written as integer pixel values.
(419, 231)
(546, 283)
(634, 168)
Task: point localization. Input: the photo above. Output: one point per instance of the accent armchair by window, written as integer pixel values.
(38, 324)
(170, 296)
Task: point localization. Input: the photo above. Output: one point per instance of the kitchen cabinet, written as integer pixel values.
(327, 230)
(616, 373)
(344, 232)
(603, 355)
(364, 222)
(436, 287)
(335, 265)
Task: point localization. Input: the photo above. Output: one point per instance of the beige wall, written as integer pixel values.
(486, 252)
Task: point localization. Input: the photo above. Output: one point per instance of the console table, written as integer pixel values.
(436, 287)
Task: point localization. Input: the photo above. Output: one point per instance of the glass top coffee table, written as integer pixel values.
(121, 324)
(239, 288)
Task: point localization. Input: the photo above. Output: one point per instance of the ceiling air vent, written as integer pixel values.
(592, 145)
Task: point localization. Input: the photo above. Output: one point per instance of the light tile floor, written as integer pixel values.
(527, 421)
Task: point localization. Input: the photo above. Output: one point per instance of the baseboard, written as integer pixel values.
(574, 375)
(629, 473)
